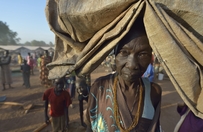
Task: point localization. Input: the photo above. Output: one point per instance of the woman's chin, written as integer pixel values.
(129, 78)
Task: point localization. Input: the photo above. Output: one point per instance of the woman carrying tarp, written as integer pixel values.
(125, 101)
(88, 31)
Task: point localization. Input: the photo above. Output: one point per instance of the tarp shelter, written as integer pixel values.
(86, 32)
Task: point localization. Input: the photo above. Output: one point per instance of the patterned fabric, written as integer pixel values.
(100, 110)
(44, 71)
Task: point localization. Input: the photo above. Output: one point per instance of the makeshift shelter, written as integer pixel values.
(86, 32)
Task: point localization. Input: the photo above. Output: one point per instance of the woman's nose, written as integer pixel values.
(132, 62)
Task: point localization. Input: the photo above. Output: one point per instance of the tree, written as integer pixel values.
(27, 43)
(51, 44)
(7, 36)
(38, 43)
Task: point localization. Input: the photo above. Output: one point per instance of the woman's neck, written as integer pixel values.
(129, 85)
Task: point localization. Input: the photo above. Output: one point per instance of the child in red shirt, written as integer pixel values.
(59, 100)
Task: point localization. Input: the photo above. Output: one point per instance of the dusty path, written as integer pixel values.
(14, 119)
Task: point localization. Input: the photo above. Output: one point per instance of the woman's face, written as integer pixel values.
(133, 57)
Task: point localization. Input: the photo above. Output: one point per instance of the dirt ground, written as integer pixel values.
(14, 119)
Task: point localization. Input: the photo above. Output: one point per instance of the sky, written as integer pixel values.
(27, 18)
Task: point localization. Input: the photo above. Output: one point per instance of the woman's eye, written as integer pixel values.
(143, 55)
(124, 52)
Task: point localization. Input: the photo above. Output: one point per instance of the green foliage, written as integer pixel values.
(7, 36)
(37, 43)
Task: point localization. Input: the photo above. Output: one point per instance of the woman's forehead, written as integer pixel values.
(140, 40)
(135, 35)
(136, 42)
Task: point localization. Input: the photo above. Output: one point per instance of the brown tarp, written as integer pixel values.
(87, 31)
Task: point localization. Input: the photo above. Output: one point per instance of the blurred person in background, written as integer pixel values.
(5, 70)
(83, 90)
(20, 59)
(45, 59)
(39, 62)
(31, 64)
(25, 69)
(28, 58)
(70, 85)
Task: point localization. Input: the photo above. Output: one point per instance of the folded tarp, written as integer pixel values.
(87, 31)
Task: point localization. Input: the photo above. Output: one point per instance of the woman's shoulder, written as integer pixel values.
(157, 88)
(156, 93)
(103, 79)
(101, 83)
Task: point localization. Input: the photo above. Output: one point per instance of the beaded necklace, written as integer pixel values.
(116, 112)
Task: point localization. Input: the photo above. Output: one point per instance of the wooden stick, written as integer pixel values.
(42, 126)
(11, 103)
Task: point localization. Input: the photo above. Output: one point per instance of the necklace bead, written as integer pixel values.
(116, 110)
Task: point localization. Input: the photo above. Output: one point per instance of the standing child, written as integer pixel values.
(25, 69)
(59, 100)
